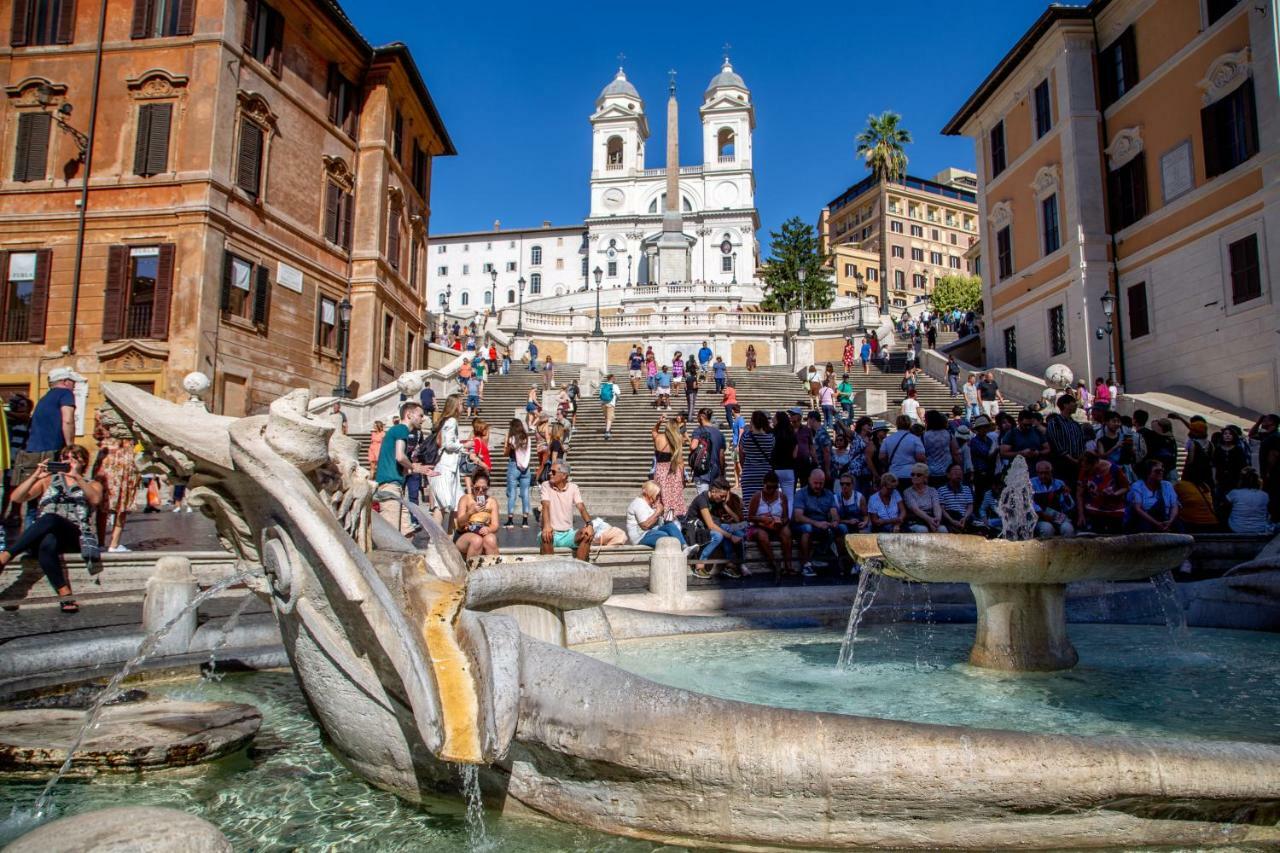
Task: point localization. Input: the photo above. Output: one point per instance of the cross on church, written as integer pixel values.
(726, 47)
(622, 57)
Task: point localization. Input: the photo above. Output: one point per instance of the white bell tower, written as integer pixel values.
(618, 130)
(728, 118)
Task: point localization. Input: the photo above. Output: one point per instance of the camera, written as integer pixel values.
(58, 467)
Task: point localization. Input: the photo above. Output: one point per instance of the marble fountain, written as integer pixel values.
(412, 666)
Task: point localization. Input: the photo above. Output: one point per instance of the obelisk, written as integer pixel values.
(673, 246)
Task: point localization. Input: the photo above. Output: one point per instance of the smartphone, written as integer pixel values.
(58, 467)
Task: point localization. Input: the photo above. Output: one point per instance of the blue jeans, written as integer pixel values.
(972, 410)
(848, 410)
(731, 551)
(506, 366)
(413, 487)
(828, 415)
(662, 531)
(719, 385)
(953, 384)
(516, 478)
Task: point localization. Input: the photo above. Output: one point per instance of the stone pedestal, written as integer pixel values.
(870, 401)
(668, 573)
(598, 354)
(1021, 628)
(801, 351)
(170, 589)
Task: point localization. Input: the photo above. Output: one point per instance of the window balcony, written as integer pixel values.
(138, 321)
(726, 158)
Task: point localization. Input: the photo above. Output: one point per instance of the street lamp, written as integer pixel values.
(1108, 310)
(598, 332)
(628, 269)
(44, 96)
(861, 286)
(493, 292)
(734, 255)
(804, 328)
(344, 330)
(520, 311)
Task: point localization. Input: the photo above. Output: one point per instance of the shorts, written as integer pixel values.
(473, 401)
(564, 538)
(25, 462)
(636, 374)
(664, 392)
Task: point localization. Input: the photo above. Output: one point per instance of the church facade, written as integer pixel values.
(716, 218)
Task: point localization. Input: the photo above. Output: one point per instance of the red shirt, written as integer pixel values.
(730, 395)
(480, 448)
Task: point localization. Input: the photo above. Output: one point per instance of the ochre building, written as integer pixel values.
(252, 166)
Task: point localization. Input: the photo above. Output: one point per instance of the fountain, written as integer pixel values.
(1019, 583)
(412, 666)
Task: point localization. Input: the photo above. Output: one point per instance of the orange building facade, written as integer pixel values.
(253, 165)
(1132, 148)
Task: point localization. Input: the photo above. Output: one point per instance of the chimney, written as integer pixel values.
(497, 225)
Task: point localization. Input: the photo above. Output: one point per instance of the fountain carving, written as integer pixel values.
(411, 667)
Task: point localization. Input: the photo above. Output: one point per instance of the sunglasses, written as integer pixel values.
(918, 476)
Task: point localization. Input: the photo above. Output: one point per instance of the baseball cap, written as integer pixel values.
(61, 374)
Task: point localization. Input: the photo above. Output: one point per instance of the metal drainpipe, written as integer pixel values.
(1115, 340)
(84, 183)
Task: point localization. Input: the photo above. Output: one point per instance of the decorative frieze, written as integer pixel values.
(1225, 73)
(1126, 145)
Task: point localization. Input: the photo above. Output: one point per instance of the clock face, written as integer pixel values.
(614, 197)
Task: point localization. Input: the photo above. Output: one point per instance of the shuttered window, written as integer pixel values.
(31, 153)
(1230, 128)
(246, 290)
(151, 149)
(1127, 192)
(1118, 67)
(249, 158)
(24, 300)
(1004, 253)
(393, 239)
(138, 292)
(997, 150)
(337, 216)
(1139, 318)
(264, 34)
(162, 18)
(342, 97)
(37, 22)
(1246, 270)
(420, 170)
(327, 324)
(397, 137)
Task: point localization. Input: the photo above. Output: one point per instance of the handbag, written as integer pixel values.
(90, 551)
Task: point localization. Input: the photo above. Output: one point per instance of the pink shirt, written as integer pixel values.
(562, 506)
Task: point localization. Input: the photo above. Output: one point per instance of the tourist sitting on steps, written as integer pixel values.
(719, 511)
(65, 501)
(885, 509)
(924, 506)
(768, 514)
(649, 521)
(1053, 503)
(957, 500)
(477, 518)
(1151, 506)
(560, 500)
(815, 519)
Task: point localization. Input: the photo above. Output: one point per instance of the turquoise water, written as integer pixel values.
(1131, 680)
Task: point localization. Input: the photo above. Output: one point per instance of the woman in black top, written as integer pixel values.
(784, 453)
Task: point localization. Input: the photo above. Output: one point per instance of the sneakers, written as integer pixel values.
(177, 508)
(525, 523)
(119, 549)
(188, 508)
(732, 571)
(701, 572)
(689, 549)
(510, 523)
(807, 570)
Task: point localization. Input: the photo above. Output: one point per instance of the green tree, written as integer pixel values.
(957, 291)
(880, 146)
(794, 249)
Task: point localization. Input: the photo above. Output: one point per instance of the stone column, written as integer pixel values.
(801, 351)
(170, 589)
(668, 574)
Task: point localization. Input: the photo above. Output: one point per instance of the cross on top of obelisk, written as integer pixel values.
(672, 75)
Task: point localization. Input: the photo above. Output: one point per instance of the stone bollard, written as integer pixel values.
(870, 401)
(669, 573)
(169, 589)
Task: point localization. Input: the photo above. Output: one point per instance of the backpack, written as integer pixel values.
(426, 451)
(700, 458)
(908, 382)
(606, 392)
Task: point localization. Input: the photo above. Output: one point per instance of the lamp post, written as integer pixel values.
(628, 269)
(734, 280)
(1108, 310)
(597, 332)
(344, 330)
(804, 328)
(493, 292)
(861, 286)
(44, 96)
(520, 311)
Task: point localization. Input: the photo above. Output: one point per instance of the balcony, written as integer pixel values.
(138, 320)
(726, 158)
(613, 167)
(15, 324)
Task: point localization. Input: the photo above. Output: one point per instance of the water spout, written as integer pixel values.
(608, 632)
(1017, 509)
(868, 584)
(477, 835)
(228, 625)
(1175, 619)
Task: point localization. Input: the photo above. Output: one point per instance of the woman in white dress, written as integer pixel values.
(446, 483)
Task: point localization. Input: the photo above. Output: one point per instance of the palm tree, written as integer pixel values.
(880, 146)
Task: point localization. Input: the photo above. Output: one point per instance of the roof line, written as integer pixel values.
(508, 231)
(401, 51)
(1054, 13)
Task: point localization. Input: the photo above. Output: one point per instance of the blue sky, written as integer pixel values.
(516, 82)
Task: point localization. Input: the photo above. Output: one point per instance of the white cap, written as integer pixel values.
(62, 374)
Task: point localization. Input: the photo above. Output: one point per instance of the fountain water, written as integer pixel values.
(868, 584)
(228, 626)
(1017, 509)
(148, 645)
(477, 835)
(1170, 605)
(608, 632)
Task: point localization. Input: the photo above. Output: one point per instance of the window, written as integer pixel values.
(488, 297)
(421, 167)
(1057, 330)
(249, 158)
(955, 241)
(1246, 271)
(873, 274)
(410, 345)
(138, 291)
(1049, 224)
(917, 255)
(511, 266)
(1004, 253)
(1139, 319)
(953, 261)
(1127, 189)
(486, 268)
(388, 336)
(535, 283)
(466, 298)
(1011, 347)
(918, 281)
(849, 270)
(613, 153)
(511, 296)
(917, 231)
(342, 101)
(338, 205)
(559, 263)
(584, 267)
(1230, 128)
(393, 238)
(1043, 108)
(160, 18)
(327, 324)
(895, 226)
(442, 270)
(264, 34)
(935, 258)
(535, 255)
(612, 270)
(997, 149)
(897, 251)
(1216, 9)
(415, 248)
(42, 22)
(441, 249)
(724, 145)
(151, 148)
(397, 137)
(466, 269)
(934, 234)
(726, 263)
(246, 290)
(25, 298)
(899, 279)
(1118, 68)
(32, 151)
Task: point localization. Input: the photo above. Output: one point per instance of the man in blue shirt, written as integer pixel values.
(533, 357)
(738, 424)
(705, 433)
(635, 369)
(814, 518)
(718, 370)
(428, 399)
(704, 355)
(53, 426)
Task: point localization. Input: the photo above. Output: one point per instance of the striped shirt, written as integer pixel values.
(956, 502)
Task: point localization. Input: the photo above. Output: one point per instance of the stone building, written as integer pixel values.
(252, 165)
(930, 225)
(1130, 148)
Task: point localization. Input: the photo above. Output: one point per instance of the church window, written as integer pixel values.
(535, 255)
(725, 145)
(613, 153)
(726, 263)
(653, 206)
(511, 296)
(535, 283)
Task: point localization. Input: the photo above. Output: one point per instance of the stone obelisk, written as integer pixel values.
(673, 246)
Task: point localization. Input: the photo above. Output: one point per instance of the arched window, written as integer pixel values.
(466, 298)
(724, 144)
(613, 152)
(535, 282)
(488, 297)
(511, 296)
(443, 302)
(535, 255)
(685, 204)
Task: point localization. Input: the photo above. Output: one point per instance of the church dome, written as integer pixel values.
(620, 86)
(726, 78)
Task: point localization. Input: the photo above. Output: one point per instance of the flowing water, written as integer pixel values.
(147, 646)
(477, 837)
(228, 626)
(1175, 619)
(608, 632)
(868, 584)
(1016, 508)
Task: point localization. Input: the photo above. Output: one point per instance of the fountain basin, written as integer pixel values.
(1020, 587)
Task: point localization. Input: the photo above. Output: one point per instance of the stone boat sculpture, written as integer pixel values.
(412, 666)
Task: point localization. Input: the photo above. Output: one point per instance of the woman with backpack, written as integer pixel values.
(518, 449)
(608, 402)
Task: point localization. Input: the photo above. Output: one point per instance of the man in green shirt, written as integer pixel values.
(394, 465)
(844, 396)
